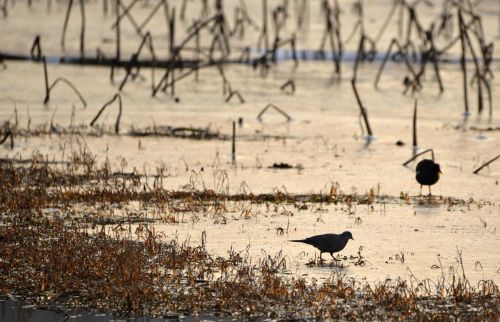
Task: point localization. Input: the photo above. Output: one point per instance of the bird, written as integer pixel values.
(427, 173)
(327, 243)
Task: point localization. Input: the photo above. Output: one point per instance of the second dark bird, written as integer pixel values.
(327, 243)
(427, 173)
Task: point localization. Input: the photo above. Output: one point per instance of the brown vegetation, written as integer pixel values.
(93, 261)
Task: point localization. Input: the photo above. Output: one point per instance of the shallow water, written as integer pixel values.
(324, 142)
(14, 310)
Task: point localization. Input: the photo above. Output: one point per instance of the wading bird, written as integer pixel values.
(327, 243)
(427, 173)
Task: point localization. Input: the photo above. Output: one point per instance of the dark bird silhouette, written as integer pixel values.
(327, 243)
(427, 173)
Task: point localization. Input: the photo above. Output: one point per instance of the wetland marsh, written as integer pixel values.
(148, 209)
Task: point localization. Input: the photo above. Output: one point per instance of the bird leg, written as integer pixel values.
(320, 259)
(430, 191)
(337, 260)
(420, 190)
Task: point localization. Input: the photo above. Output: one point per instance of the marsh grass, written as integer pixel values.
(132, 272)
(98, 262)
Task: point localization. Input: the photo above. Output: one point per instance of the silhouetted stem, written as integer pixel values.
(415, 124)
(233, 145)
(82, 30)
(117, 123)
(463, 61)
(134, 59)
(151, 15)
(237, 94)
(173, 52)
(395, 5)
(65, 26)
(419, 154)
(363, 110)
(36, 47)
(8, 134)
(4, 8)
(279, 110)
(46, 77)
(402, 53)
(117, 8)
(289, 83)
(73, 87)
(486, 164)
(126, 11)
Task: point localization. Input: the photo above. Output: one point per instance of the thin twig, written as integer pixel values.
(486, 164)
(419, 154)
(117, 123)
(279, 110)
(363, 110)
(415, 124)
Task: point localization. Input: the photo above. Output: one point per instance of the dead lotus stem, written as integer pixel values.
(126, 13)
(36, 47)
(279, 110)
(133, 63)
(463, 62)
(479, 74)
(419, 154)
(151, 14)
(415, 125)
(118, 31)
(174, 53)
(264, 35)
(178, 78)
(82, 29)
(486, 164)
(331, 33)
(4, 8)
(404, 54)
(59, 79)
(8, 134)
(235, 93)
(395, 6)
(65, 25)
(362, 108)
(105, 7)
(233, 144)
(120, 16)
(288, 84)
(117, 123)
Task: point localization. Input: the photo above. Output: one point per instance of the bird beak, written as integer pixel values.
(351, 238)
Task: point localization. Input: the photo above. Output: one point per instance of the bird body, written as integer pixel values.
(427, 173)
(327, 243)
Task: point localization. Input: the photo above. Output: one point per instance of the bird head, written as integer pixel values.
(347, 235)
(437, 168)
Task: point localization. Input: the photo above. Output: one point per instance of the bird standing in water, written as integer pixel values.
(427, 173)
(327, 243)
